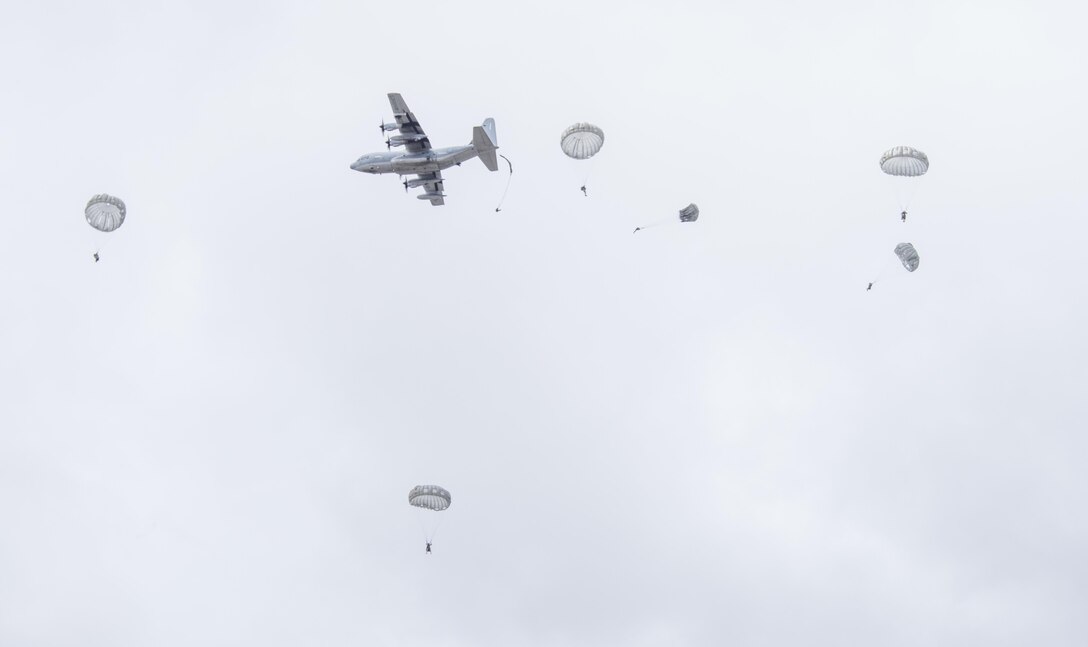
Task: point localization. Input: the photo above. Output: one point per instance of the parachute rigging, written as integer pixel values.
(429, 498)
(104, 213)
(582, 141)
(689, 213)
(904, 162)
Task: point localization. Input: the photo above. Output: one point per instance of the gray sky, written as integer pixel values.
(705, 434)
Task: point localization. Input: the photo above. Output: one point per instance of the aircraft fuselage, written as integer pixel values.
(436, 159)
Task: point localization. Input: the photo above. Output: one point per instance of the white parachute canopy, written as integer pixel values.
(581, 141)
(105, 212)
(689, 213)
(904, 161)
(429, 497)
(907, 255)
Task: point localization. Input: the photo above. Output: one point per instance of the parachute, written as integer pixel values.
(689, 213)
(907, 255)
(429, 497)
(904, 161)
(581, 141)
(105, 212)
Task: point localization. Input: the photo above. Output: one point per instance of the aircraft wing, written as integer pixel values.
(432, 183)
(408, 125)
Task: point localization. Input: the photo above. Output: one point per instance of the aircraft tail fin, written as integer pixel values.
(486, 143)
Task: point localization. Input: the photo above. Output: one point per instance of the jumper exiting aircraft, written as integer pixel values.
(421, 160)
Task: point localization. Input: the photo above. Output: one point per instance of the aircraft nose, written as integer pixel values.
(357, 165)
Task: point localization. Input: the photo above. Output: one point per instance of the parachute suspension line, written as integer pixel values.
(585, 179)
(436, 527)
(905, 191)
(581, 141)
(508, 179)
(882, 271)
(427, 531)
(891, 263)
(655, 223)
(101, 243)
(422, 528)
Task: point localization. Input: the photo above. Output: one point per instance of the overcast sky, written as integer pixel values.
(703, 434)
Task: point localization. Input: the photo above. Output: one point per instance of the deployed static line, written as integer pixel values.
(581, 141)
(508, 179)
(105, 213)
(689, 213)
(430, 497)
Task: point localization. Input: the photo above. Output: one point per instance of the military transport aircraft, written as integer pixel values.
(421, 160)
